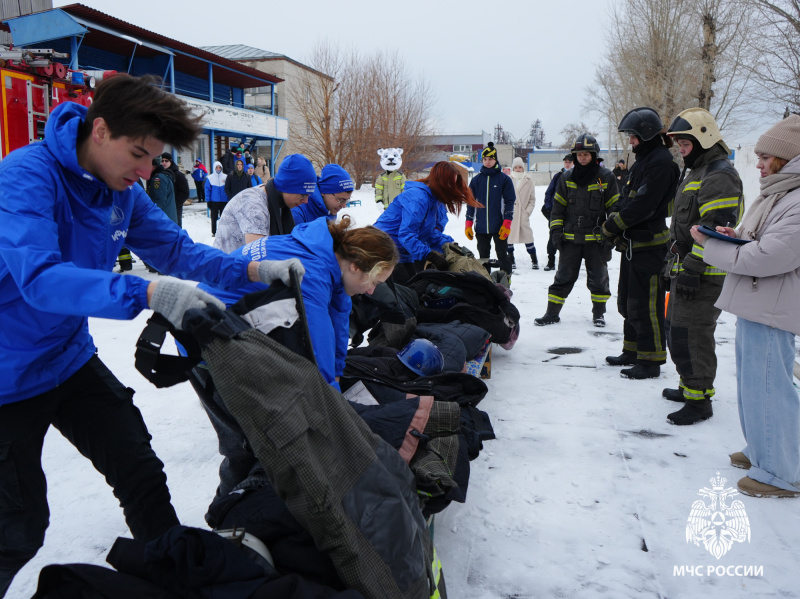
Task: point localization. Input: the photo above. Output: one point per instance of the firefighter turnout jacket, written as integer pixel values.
(389, 185)
(580, 211)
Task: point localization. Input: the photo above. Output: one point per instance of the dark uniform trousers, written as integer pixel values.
(690, 329)
(640, 301)
(500, 249)
(570, 257)
(95, 412)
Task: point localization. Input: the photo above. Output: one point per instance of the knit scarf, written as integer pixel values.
(773, 188)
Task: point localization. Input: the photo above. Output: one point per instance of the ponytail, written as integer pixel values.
(370, 249)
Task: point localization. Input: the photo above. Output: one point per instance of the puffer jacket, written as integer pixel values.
(710, 194)
(215, 185)
(763, 281)
(579, 211)
(495, 190)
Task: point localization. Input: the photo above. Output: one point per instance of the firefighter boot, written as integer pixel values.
(694, 410)
(626, 358)
(642, 370)
(534, 260)
(673, 395)
(550, 316)
(598, 311)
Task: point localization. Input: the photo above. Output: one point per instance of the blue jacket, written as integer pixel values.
(415, 220)
(199, 174)
(327, 305)
(495, 190)
(215, 186)
(311, 210)
(62, 231)
(255, 181)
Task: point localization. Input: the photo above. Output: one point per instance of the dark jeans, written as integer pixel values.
(500, 249)
(200, 186)
(95, 412)
(216, 209)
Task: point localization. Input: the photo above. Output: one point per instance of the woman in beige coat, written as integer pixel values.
(262, 170)
(521, 231)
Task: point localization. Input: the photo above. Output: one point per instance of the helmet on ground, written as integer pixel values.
(585, 143)
(423, 357)
(698, 124)
(643, 122)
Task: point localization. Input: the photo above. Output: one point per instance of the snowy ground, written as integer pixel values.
(585, 493)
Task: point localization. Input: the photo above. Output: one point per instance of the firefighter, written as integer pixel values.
(584, 198)
(639, 230)
(711, 194)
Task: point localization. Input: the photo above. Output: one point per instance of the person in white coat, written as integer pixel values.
(521, 231)
(762, 288)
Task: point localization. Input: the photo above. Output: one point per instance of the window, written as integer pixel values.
(462, 148)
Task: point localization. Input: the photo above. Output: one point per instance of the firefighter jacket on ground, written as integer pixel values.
(389, 185)
(495, 190)
(710, 194)
(580, 211)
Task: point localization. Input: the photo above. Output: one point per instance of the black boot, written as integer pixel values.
(626, 358)
(550, 316)
(598, 310)
(534, 260)
(551, 263)
(642, 370)
(673, 395)
(694, 410)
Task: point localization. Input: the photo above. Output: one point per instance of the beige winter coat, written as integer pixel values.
(262, 170)
(521, 231)
(763, 282)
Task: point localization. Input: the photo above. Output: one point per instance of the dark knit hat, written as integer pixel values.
(167, 156)
(334, 179)
(568, 157)
(489, 151)
(296, 175)
(782, 140)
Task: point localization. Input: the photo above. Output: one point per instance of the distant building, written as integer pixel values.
(442, 147)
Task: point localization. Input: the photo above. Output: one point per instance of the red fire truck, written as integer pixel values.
(33, 84)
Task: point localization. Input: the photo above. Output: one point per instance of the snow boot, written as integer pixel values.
(739, 460)
(753, 488)
(694, 410)
(673, 395)
(626, 358)
(598, 320)
(534, 260)
(642, 370)
(550, 316)
(551, 263)
(598, 311)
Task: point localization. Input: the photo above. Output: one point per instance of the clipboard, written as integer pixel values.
(717, 235)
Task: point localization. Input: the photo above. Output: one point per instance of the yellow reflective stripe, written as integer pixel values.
(556, 222)
(719, 204)
(696, 393)
(677, 267)
(593, 237)
(653, 313)
(697, 250)
(600, 298)
(659, 239)
(619, 222)
(611, 200)
(632, 193)
(569, 236)
(398, 178)
(560, 200)
(692, 186)
(596, 186)
(555, 299)
(629, 345)
(436, 569)
(571, 184)
(652, 356)
(379, 187)
(714, 271)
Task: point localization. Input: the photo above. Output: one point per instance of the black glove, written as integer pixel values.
(609, 235)
(687, 284)
(438, 260)
(546, 212)
(556, 238)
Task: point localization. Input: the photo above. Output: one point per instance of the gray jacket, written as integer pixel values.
(763, 282)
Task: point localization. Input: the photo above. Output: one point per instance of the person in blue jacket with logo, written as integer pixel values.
(67, 205)
(339, 261)
(416, 219)
(334, 189)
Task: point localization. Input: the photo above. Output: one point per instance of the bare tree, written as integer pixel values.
(571, 132)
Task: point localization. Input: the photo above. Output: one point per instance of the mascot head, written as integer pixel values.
(390, 158)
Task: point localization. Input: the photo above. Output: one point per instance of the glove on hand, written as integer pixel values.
(687, 284)
(505, 229)
(438, 260)
(270, 271)
(608, 233)
(172, 298)
(468, 230)
(556, 238)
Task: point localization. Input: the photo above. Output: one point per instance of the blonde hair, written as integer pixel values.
(370, 249)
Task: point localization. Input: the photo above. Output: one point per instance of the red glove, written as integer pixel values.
(469, 232)
(505, 230)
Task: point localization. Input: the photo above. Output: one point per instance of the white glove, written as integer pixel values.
(270, 271)
(172, 298)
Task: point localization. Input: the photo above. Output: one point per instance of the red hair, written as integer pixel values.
(447, 185)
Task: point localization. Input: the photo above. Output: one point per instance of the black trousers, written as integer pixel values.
(640, 301)
(570, 258)
(216, 209)
(200, 186)
(95, 412)
(500, 249)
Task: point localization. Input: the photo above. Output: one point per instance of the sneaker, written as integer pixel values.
(598, 320)
(673, 395)
(624, 359)
(641, 371)
(753, 488)
(693, 411)
(739, 460)
(546, 319)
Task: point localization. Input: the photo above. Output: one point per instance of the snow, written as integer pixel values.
(585, 472)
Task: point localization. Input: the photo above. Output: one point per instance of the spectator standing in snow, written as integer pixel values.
(161, 189)
(237, 181)
(68, 204)
(621, 173)
(547, 209)
(521, 231)
(228, 161)
(255, 180)
(762, 289)
(179, 182)
(216, 197)
(334, 189)
(200, 174)
(262, 168)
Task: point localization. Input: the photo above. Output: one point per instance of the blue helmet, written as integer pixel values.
(423, 357)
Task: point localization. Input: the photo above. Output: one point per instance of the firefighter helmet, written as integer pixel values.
(697, 123)
(642, 122)
(585, 143)
(423, 357)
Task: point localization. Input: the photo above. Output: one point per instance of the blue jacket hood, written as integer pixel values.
(61, 138)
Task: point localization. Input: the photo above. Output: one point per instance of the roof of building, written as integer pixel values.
(241, 52)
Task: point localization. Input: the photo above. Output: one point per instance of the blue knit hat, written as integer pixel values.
(334, 179)
(296, 175)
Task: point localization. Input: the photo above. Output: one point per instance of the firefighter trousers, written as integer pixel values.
(570, 257)
(690, 329)
(640, 301)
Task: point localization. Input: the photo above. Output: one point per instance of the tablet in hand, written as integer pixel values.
(717, 235)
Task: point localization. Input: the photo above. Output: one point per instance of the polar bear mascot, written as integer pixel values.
(390, 183)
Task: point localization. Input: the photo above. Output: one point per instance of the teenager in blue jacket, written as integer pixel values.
(492, 221)
(416, 219)
(339, 261)
(334, 189)
(67, 205)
